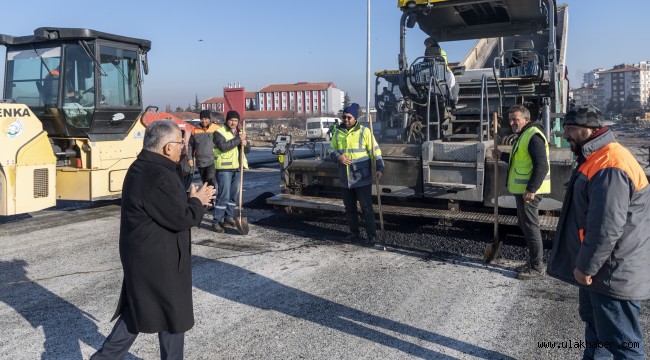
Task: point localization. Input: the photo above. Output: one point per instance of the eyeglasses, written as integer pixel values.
(348, 117)
(182, 142)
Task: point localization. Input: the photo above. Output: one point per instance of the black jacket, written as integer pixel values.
(155, 247)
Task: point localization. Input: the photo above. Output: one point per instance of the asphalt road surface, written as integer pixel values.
(290, 289)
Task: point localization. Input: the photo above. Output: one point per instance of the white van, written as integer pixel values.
(318, 127)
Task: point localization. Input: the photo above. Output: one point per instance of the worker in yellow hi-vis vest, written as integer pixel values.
(228, 141)
(529, 176)
(351, 147)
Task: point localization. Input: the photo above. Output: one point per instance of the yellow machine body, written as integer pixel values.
(30, 179)
(27, 164)
(99, 173)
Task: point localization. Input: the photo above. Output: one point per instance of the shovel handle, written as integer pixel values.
(496, 178)
(241, 178)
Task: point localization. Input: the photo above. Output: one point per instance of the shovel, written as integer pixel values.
(493, 250)
(241, 222)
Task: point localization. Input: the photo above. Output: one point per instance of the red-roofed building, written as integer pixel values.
(622, 83)
(302, 97)
(216, 104)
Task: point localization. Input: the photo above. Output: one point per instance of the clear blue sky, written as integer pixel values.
(260, 42)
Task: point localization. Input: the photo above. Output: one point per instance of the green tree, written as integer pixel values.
(346, 101)
(168, 108)
(197, 106)
(613, 108)
(179, 109)
(188, 108)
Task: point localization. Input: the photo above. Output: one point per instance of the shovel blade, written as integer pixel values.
(242, 225)
(492, 251)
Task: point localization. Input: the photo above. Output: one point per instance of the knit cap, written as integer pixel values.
(586, 116)
(352, 109)
(204, 114)
(232, 114)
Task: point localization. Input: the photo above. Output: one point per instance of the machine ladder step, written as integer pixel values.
(450, 186)
(546, 223)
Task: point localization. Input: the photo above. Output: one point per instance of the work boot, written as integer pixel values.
(230, 222)
(522, 268)
(351, 238)
(218, 227)
(370, 241)
(529, 273)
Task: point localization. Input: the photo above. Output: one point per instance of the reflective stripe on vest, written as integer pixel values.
(352, 144)
(521, 165)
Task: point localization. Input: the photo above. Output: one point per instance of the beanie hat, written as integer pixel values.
(232, 114)
(352, 109)
(586, 116)
(430, 42)
(205, 114)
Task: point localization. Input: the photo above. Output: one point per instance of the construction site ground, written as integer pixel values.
(290, 289)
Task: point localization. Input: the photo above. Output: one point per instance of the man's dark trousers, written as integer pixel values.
(208, 175)
(528, 216)
(364, 195)
(611, 326)
(119, 341)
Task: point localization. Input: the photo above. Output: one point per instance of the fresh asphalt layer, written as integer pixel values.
(277, 294)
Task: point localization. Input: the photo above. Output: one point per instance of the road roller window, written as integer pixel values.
(119, 84)
(78, 87)
(32, 77)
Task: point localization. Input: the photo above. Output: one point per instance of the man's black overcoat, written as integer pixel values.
(155, 247)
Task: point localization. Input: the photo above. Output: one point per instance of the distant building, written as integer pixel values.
(285, 101)
(302, 98)
(590, 78)
(624, 82)
(585, 95)
(216, 104)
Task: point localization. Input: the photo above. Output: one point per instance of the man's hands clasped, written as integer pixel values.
(343, 159)
(205, 193)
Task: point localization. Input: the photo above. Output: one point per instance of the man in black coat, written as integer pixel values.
(155, 247)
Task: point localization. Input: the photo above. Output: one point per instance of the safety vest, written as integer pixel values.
(355, 144)
(228, 160)
(521, 165)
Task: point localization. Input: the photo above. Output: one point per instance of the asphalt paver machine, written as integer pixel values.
(436, 117)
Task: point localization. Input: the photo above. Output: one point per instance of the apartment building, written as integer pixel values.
(302, 97)
(585, 95)
(590, 78)
(624, 82)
